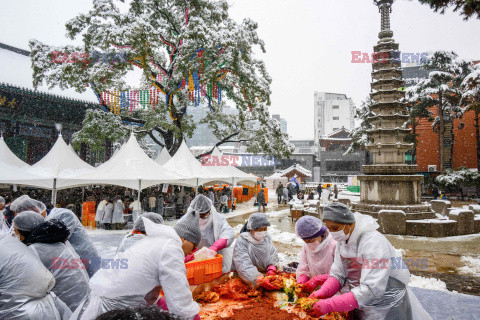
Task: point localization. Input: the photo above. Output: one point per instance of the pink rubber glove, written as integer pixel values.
(197, 317)
(302, 279)
(162, 304)
(344, 302)
(219, 245)
(189, 258)
(271, 270)
(316, 281)
(328, 289)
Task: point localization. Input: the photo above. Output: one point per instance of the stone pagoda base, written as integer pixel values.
(392, 192)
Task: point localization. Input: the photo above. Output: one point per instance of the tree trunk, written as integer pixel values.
(441, 133)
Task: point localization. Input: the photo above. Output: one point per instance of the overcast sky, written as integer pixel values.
(308, 42)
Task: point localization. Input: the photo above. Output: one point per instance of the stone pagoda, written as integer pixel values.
(389, 184)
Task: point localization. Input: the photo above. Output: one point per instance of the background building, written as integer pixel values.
(30, 118)
(332, 111)
(335, 166)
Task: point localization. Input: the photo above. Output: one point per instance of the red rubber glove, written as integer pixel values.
(197, 317)
(316, 281)
(189, 258)
(344, 302)
(271, 270)
(302, 279)
(266, 284)
(328, 289)
(162, 304)
(219, 245)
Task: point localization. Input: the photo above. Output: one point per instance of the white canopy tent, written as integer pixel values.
(233, 173)
(163, 157)
(8, 157)
(14, 175)
(59, 164)
(132, 168)
(184, 162)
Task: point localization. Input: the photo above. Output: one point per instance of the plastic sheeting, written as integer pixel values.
(25, 284)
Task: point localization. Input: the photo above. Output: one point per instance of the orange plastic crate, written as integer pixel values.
(199, 272)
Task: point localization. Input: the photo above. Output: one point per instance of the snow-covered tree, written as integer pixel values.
(440, 89)
(456, 180)
(184, 48)
(100, 127)
(359, 134)
(467, 8)
(471, 101)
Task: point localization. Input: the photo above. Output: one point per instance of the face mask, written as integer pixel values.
(340, 235)
(260, 235)
(313, 246)
(203, 221)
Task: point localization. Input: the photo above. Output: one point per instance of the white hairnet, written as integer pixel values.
(27, 220)
(257, 220)
(201, 204)
(25, 203)
(2, 200)
(152, 216)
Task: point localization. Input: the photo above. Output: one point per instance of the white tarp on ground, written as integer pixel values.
(8, 157)
(129, 167)
(60, 163)
(184, 162)
(14, 175)
(233, 174)
(163, 157)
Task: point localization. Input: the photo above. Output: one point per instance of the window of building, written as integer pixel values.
(336, 107)
(336, 118)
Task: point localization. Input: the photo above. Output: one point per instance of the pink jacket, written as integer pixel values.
(312, 264)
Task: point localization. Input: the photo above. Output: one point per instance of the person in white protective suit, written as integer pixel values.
(254, 252)
(25, 203)
(25, 285)
(157, 260)
(217, 234)
(367, 262)
(79, 239)
(46, 239)
(138, 232)
(3, 224)
(108, 215)
(117, 218)
(317, 254)
(99, 213)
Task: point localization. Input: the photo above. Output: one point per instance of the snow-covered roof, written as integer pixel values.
(332, 136)
(16, 70)
(297, 167)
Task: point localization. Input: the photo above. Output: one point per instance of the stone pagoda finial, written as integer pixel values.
(385, 8)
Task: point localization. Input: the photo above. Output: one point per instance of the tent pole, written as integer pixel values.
(196, 188)
(54, 192)
(138, 199)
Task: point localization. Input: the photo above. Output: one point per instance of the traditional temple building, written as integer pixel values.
(31, 118)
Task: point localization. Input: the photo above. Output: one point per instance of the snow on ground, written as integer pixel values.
(428, 283)
(472, 267)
